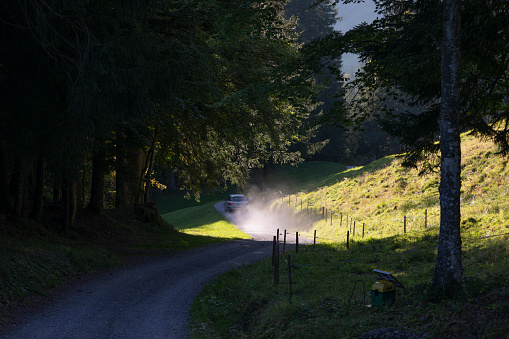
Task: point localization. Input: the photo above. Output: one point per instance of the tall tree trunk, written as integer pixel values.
(5, 204)
(96, 203)
(39, 190)
(69, 206)
(449, 268)
(20, 188)
(65, 211)
(148, 173)
(137, 162)
(122, 183)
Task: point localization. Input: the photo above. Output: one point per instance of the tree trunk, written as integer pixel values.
(20, 188)
(122, 196)
(69, 206)
(5, 204)
(148, 173)
(449, 268)
(137, 161)
(39, 190)
(96, 203)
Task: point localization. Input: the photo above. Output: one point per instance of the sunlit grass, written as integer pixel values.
(204, 220)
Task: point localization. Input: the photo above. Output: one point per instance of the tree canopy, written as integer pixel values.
(208, 89)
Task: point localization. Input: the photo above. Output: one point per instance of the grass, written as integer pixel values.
(204, 220)
(244, 303)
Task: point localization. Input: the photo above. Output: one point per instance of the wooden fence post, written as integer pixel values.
(290, 276)
(363, 230)
(341, 220)
(347, 239)
(425, 218)
(277, 235)
(284, 243)
(331, 217)
(274, 251)
(289, 201)
(404, 224)
(297, 242)
(354, 227)
(276, 267)
(314, 241)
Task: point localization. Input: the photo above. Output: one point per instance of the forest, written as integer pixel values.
(101, 101)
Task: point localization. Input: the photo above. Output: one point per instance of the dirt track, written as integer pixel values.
(147, 298)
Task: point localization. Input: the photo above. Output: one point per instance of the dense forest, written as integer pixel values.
(147, 93)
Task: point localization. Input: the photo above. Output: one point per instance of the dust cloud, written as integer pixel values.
(266, 214)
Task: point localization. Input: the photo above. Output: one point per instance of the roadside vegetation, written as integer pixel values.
(324, 303)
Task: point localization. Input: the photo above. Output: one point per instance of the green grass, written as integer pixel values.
(245, 304)
(204, 220)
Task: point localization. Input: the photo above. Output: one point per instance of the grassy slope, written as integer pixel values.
(245, 303)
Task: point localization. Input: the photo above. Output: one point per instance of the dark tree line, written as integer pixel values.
(208, 90)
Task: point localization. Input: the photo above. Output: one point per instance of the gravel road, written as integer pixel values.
(147, 298)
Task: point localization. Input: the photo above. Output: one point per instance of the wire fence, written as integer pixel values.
(278, 255)
(355, 227)
(352, 226)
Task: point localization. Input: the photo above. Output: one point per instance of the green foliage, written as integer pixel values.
(400, 81)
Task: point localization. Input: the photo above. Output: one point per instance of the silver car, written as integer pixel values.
(235, 201)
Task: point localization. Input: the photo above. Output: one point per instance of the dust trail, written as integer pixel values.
(264, 216)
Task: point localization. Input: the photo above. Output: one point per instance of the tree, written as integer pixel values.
(448, 268)
(415, 57)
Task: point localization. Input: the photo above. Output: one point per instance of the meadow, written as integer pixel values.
(331, 284)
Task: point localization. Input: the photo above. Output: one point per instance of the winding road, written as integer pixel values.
(147, 298)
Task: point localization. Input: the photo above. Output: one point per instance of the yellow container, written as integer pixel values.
(383, 292)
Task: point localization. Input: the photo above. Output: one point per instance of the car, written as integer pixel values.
(235, 201)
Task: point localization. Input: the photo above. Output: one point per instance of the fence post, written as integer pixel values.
(284, 243)
(363, 230)
(404, 224)
(297, 242)
(314, 241)
(277, 235)
(340, 220)
(347, 239)
(426, 218)
(326, 216)
(276, 267)
(331, 217)
(290, 276)
(354, 227)
(289, 200)
(273, 251)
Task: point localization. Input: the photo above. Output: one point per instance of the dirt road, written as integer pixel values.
(148, 298)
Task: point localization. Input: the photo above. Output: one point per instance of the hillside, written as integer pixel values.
(327, 281)
(383, 193)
